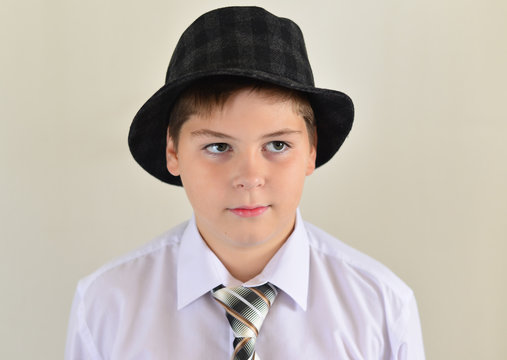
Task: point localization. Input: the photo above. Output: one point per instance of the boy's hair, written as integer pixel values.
(209, 94)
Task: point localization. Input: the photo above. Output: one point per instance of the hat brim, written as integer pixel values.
(334, 115)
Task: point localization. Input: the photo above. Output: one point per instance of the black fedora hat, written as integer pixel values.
(246, 42)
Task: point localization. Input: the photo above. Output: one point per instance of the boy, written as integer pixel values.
(240, 125)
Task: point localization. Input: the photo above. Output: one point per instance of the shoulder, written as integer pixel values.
(353, 265)
(111, 298)
(136, 264)
(365, 293)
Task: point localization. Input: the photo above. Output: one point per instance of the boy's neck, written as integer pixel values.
(245, 263)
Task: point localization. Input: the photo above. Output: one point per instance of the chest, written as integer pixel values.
(326, 330)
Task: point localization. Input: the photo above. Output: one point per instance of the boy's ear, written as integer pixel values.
(171, 156)
(311, 160)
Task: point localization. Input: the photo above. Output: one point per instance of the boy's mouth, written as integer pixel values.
(249, 211)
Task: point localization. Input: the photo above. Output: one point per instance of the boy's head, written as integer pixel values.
(241, 153)
(249, 43)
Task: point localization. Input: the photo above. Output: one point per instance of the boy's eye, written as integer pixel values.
(217, 148)
(276, 146)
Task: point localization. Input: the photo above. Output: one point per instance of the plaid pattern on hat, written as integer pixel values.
(242, 38)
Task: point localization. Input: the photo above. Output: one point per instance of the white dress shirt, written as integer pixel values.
(155, 303)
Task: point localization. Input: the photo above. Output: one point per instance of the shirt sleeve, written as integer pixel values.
(79, 345)
(410, 344)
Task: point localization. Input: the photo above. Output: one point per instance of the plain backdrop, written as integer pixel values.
(420, 184)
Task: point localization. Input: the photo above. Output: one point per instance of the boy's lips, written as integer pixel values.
(249, 211)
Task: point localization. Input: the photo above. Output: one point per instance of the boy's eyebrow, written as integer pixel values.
(211, 133)
(216, 134)
(281, 133)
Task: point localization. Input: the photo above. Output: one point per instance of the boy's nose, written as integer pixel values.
(248, 174)
(248, 183)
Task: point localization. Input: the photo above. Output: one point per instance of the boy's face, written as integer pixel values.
(243, 169)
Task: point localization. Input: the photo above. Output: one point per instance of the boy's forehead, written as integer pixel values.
(248, 112)
(219, 126)
(247, 100)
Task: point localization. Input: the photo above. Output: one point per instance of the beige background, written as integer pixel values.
(420, 184)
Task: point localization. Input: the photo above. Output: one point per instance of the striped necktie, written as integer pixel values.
(245, 309)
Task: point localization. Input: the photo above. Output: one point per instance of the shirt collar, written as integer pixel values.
(289, 269)
(199, 270)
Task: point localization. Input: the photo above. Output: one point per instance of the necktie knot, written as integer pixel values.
(246, 308)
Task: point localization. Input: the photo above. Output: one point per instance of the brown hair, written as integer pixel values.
(209, 94)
